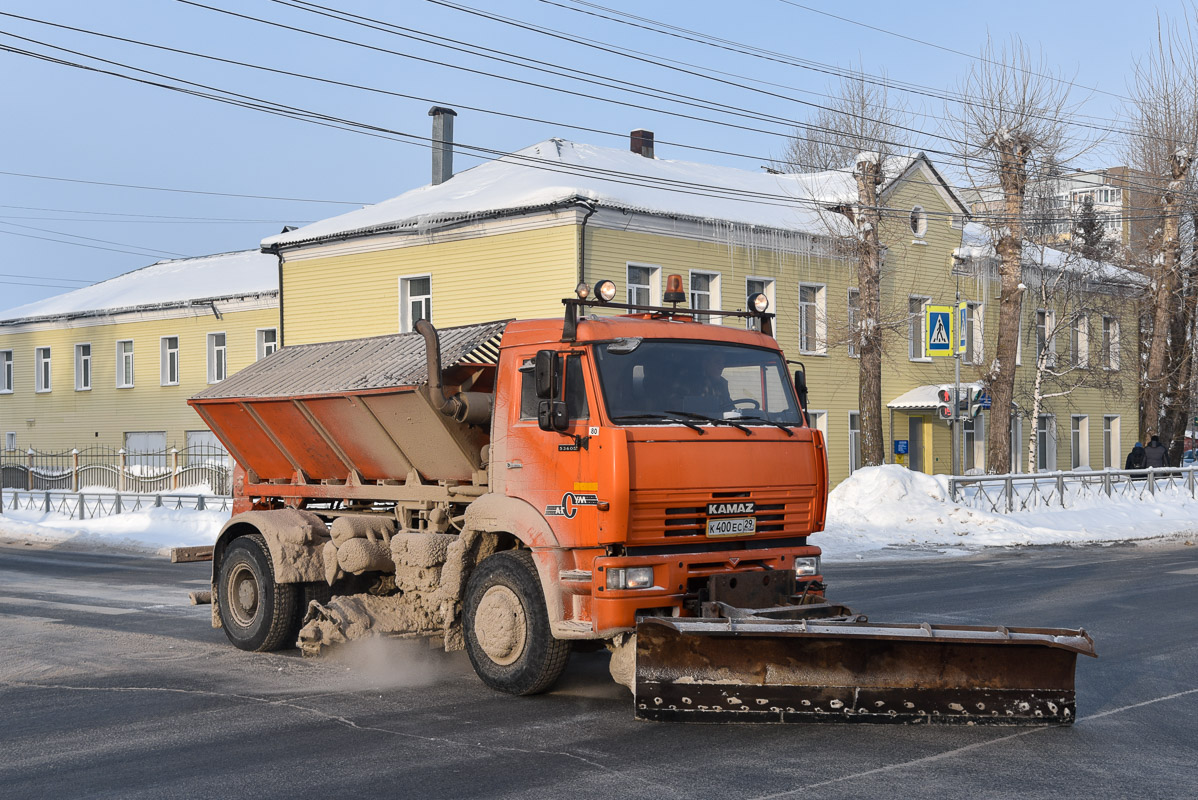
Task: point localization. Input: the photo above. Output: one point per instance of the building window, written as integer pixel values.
(765, 286)
(644, 285)
(1045, 341)
(1111, 449)
(975, 445)
(819, 421)
(415, 301)
(1110, 343)
(705, 293)
(919, 222)
(124, 364)
(915, 328)
(10, 440)
(854, 322)
(169, 360)
(1046, 442)
(41, 357)
(218, 364)
(812, 317)
(5, 371)
(83, 367)
(1079, 345)
(1079, 441)
(268, 342)
(854, 441)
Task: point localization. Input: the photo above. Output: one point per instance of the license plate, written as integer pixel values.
(733, 526)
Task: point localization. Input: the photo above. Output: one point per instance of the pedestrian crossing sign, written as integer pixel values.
(940, 330)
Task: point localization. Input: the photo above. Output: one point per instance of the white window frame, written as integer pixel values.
(820, 308)
(261, 345)
(852, 312)
(713, 295)
(912, 337)
(406, 298)
(1079, 441)
(654, 285)
(121, 383)
(855, 454)
(10, 441)
(1079, 341)
(1110, 343)
(214, 362)
(920, 217)
(1046, 450)
(819, 420)
(975, 317)
(1046, 336)
(770, 290)
(43, 370)
(6, 371)
(165, 352)
(973, 432)
(1112, 448)
(83, 367)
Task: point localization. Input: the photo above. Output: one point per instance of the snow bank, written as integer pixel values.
(891, 508)
(155, 529)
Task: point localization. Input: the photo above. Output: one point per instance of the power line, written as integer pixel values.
(79, 244)
(43, 277)
(167, 217)
(90, 239)
(40, 285)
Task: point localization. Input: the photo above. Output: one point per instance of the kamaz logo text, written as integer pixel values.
(720, 509)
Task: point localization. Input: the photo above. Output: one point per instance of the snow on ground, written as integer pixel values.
(879, 512)
(891, 510)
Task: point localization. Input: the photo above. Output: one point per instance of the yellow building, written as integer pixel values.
(513, 236)
(112, 364)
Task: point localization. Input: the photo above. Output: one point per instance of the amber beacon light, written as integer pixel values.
(674, 292)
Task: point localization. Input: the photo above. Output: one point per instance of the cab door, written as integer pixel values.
(556, 471)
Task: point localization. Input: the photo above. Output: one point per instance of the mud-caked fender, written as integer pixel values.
(293, 537)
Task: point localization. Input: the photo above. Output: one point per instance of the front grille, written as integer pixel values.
(683, 515)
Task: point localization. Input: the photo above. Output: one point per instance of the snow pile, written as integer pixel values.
(891, 507)
(154, 529)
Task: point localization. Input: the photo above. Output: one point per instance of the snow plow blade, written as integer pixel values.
(754, 669)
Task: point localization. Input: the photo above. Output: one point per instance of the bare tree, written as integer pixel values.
(859, 130)
(1164, 137)
(1014, 122)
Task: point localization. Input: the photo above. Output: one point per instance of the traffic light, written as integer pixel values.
(944, 403)
(975, 401)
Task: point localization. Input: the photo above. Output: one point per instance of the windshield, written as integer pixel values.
(648, 380)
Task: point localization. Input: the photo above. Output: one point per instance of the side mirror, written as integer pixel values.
(552, 415)
(546, 374)
(801, 390)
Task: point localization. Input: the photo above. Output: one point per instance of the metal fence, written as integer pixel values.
(118, 470)
(84, 505)
(1044, 491)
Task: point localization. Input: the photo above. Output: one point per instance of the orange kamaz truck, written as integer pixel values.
(522, 489)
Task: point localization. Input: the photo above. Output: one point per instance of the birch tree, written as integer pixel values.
(858, 131)
(1013, 122)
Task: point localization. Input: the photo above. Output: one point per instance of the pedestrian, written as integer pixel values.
(1155, 453)
(1136, 458)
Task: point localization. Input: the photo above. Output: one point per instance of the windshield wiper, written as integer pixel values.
(714, 420)
(780, 425)
(659, 418)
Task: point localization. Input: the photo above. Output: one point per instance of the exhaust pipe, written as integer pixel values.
(472, 408)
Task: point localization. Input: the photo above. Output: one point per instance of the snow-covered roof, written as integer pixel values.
(165, 283)
(557, 172)
(977, 243)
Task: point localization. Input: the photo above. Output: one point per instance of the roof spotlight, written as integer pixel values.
(759, 302)
(583, 291)
(605, 290)
(674, 292)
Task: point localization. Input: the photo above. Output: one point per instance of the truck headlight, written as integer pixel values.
(807, 566)
(629, 578)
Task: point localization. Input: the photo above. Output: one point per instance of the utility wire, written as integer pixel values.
(167, 217)
(90, 239)
(80, 244)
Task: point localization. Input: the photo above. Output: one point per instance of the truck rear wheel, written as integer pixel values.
(256, 613)
(508, 637)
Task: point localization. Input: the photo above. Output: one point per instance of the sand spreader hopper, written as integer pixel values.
(825, 664)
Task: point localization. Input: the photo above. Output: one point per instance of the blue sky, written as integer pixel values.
(87, 126)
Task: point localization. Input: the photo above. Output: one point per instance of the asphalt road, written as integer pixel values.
(112, 686)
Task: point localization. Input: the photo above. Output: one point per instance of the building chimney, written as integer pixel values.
(641, 141)
(442, 143)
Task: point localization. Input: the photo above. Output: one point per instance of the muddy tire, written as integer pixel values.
(507, 628)
(256, 613)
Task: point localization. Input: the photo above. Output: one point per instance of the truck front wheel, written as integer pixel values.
(256, 613)
(507, 629)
